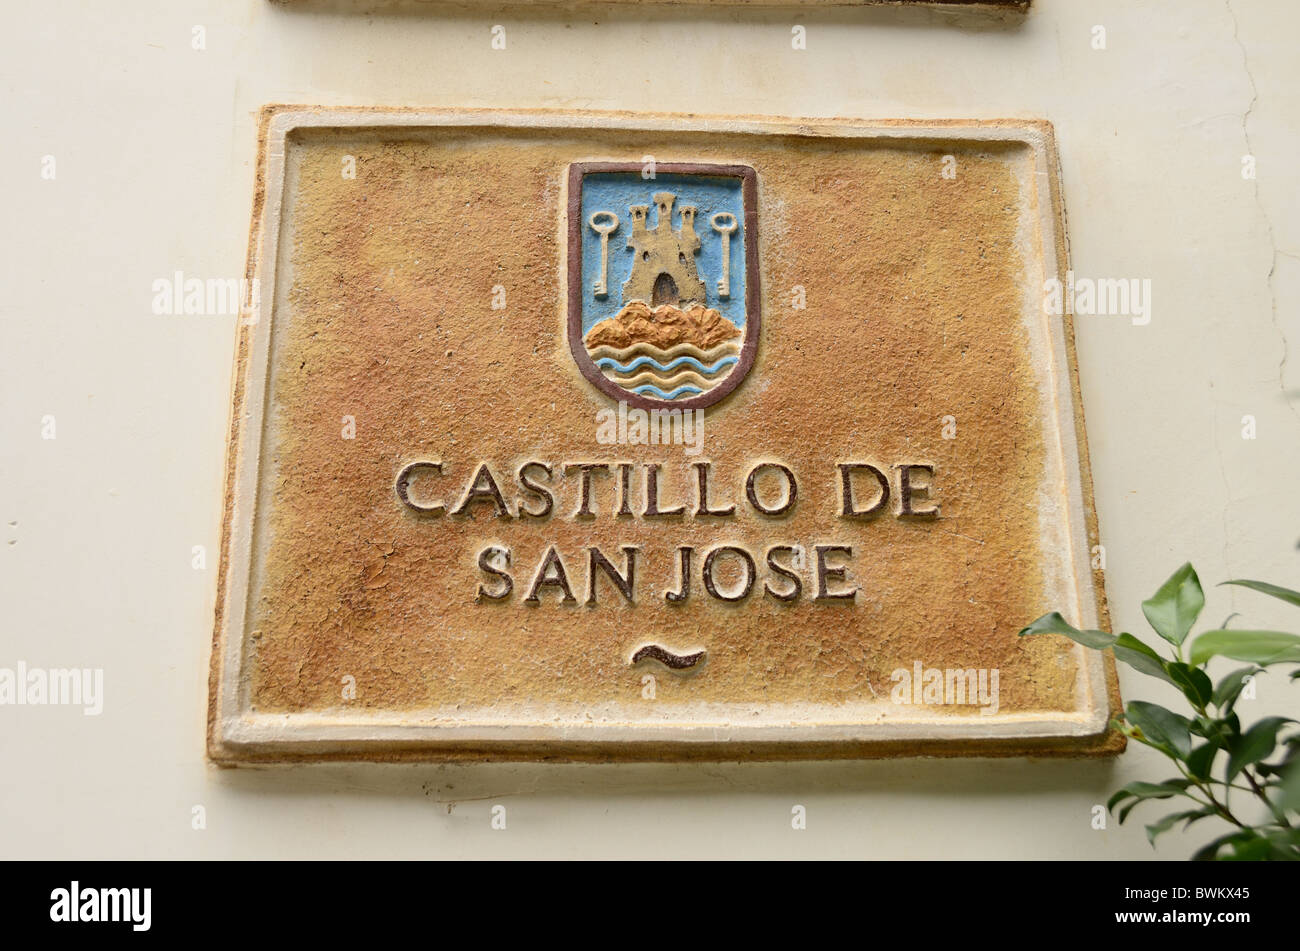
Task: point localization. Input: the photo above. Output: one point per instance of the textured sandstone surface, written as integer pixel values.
(913, 312)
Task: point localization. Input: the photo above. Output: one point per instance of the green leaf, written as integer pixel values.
(1055, 624)
(1162, 728)
(1251, 848)
(1272, 590)
(1290, 787)
(1229, 688)
(1254, 745)
(1286, 844)
(1140, 791)
(1193, 682)
(1201, 760)
(1223, 731)
(1123, 813)
(1256, 647)
(1141, 657)
(1168, 822)
(1173, 609)
(1210, 851)
(1204, 812)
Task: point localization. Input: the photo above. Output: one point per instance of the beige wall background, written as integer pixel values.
(154, 146)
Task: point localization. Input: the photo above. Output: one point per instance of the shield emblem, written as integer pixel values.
(663, 281)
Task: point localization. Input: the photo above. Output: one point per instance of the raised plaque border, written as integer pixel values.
(239, 735)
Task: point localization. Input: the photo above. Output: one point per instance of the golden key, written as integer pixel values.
(724, 223)
(601, 288)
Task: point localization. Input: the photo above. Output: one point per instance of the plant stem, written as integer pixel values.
(1214, 803)
(1278, 813)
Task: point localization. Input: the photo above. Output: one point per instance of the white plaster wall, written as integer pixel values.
(154, 144)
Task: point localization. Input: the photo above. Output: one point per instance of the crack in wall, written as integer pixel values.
(1274, 252)
(1268, 220)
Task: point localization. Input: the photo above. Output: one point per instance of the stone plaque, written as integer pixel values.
(613, 436)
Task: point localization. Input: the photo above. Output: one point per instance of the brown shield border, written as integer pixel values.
(753, 309)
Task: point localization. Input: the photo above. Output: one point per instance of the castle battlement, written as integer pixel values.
(663, 269)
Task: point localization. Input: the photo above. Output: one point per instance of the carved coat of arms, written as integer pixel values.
(663, 280)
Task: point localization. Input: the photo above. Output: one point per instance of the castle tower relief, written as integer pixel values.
(663, 270)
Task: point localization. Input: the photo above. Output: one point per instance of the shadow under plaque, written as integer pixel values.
(430, 6)
(639, 437)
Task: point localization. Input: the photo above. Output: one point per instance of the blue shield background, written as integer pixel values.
(617, 191)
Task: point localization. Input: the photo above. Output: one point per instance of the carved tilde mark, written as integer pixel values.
(601, 287)
(724, 223)
(668, 658)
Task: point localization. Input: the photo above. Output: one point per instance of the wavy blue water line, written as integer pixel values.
(609, 363)
(655, 391)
